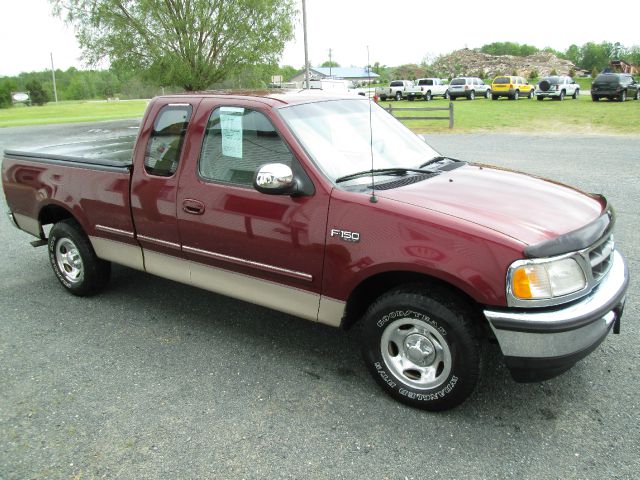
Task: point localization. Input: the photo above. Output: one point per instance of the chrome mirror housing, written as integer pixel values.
(275, 179)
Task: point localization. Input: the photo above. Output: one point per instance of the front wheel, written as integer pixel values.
(623, 96)
(446, 94)
(561, 97)
(576, 94)
(74, 261)
(531, 94)
(472, 95)
(419, 345)
(488, 95)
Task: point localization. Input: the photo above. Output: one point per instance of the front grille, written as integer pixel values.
(601, 258)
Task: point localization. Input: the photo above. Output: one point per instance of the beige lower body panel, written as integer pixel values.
(118, 252)
(294, 301)
(28, 224)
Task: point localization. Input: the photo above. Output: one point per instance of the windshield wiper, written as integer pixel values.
(383, 171)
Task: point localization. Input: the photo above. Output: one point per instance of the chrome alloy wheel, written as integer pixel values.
(416, 353)
(69, 261)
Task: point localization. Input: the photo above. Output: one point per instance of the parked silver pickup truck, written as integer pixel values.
(427, 88)
(397, 89)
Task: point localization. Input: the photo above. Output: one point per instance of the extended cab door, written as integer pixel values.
(154, 186)
(265, 249)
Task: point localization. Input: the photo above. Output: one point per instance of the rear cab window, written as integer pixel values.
(164, 148)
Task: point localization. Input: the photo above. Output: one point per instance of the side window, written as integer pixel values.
(237, 141)
(165, 145)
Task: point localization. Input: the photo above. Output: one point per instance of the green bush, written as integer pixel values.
(37, 94)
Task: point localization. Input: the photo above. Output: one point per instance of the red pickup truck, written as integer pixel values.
(329, 209)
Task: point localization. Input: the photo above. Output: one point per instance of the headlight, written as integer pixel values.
(536, 280)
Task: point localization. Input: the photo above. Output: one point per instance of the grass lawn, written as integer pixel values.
(581, 116)
(71, 112)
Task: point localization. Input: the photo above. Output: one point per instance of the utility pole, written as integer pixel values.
(306, 50)
(330, 65)
(53, 74)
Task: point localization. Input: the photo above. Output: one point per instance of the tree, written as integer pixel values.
(38, 96)
(330, 63)
(191, 43)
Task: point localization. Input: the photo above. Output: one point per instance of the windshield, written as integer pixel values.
(337, 135)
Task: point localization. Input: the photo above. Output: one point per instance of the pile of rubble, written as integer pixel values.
(468, 62)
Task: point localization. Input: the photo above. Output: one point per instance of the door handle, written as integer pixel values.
(194, 207)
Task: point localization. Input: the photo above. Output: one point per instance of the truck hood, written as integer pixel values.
(526, 208)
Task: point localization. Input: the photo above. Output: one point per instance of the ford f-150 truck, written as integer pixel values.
(329, 209)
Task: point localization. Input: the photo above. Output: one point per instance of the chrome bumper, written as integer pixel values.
(564, 334)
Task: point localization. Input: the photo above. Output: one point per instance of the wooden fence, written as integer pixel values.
(391, 109)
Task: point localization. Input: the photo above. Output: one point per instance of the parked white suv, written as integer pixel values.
(557, 87)
(469, 87)
(427, 88)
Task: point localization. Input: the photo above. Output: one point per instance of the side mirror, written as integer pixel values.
(275, 179)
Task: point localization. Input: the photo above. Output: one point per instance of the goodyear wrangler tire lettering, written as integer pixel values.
(419, 344)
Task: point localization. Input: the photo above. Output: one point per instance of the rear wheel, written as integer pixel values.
(74, 261)
(623, 96)
(472, 95)
(576, 94)
(446, 95)
(495, 97)
(427, 96)
(383, 97)
(561, 96)
(419, 345)
(531, 94)
(398, 96)
(516, 95)
(488, 95)
(637, 97)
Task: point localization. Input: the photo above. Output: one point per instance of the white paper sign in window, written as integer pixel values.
(231, 125)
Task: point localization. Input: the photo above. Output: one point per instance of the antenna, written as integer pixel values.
(373, 198)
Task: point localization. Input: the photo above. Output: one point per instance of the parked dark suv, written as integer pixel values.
(615, 85)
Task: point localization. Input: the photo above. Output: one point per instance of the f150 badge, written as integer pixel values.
(345, 235)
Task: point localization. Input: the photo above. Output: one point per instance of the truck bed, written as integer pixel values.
(106, 153)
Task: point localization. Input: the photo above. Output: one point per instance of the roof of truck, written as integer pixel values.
(275, 97)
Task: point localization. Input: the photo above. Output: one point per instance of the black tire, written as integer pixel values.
(427, 96)
(637, 97)
(472, 95)
(540, 98)
(437, 339)
(531, 94)
(516, 95)
(446, 94)
(576, 94)
(383, 98)
(74, 261)
(488, 94)
(561, 97)
(398, 96)
(495, 97)
(595, 98)
(623, 96)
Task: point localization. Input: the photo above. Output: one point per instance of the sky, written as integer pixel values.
(396, 32)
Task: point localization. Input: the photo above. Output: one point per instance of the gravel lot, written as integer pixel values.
(153, 379)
